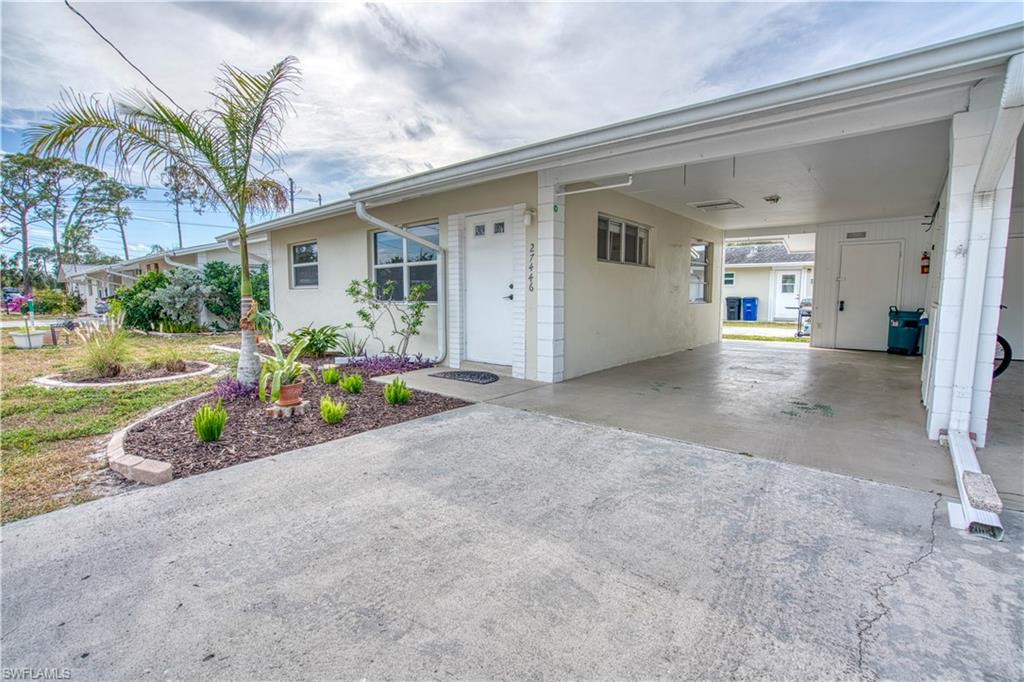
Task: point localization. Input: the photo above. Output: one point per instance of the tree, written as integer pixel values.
(230, 149)
(183, 188)
(20, 198)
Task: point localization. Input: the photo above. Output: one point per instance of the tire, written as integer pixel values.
(1004, 362)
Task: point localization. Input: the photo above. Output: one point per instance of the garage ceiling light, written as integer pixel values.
(716, 204)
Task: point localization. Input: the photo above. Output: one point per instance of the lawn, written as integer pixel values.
(777, 325)
(759, 337)
(47, 436)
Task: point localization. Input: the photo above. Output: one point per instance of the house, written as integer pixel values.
(606, 247)
(95, 283)
(770, 272)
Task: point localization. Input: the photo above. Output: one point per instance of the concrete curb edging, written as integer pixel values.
(141, 469)
(49, 381)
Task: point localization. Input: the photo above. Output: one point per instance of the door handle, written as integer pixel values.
(842, 306)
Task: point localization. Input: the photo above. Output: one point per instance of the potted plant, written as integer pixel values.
(283, 373)
(29, 338)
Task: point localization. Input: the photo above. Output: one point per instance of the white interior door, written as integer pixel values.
(1011, 319)
(489, 293)
(786, 294)
(869, 282)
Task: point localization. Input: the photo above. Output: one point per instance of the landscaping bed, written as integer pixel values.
(137, 373)
(251, 434)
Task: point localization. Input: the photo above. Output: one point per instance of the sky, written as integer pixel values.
(393, 89)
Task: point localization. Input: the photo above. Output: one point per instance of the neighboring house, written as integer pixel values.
(777, 277)
(98, 282)
(605, 247)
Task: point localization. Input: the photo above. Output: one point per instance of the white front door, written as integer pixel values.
(869, 282)
(787, 294)
(489, 294)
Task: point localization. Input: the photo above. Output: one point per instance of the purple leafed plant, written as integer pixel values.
(230, 388)
(380, 365)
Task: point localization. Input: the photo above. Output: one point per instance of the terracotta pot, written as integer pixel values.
(290, 395)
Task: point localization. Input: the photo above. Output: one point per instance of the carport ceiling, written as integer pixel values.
(888, 174)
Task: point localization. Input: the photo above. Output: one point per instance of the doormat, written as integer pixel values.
(471, 377)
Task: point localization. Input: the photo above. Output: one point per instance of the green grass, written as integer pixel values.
(776, 325)
(758, 337)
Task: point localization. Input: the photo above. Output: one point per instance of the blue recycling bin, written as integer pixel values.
(750, 309)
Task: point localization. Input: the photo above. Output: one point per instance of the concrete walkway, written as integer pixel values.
(495, 543)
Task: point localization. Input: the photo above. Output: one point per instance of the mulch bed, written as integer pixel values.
(250, 434)
(131, 373)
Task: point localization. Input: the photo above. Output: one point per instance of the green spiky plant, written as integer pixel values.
(330, 375)
(397, 393)
(228, 150)
(280, 370)
(332, 412)
(352, 383)
(209, 422)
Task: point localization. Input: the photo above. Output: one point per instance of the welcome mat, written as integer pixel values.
(470, 377)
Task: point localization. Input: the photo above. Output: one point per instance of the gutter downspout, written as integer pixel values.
(442, 265)
(974, 487)
(176, 264)
(253, 256)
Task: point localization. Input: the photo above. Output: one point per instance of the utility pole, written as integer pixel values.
(319, 199)
(291, 193)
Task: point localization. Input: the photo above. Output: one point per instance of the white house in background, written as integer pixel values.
(777, 277)
(605, 247)
(95, 283)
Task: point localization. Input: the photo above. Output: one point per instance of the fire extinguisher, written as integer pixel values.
(926, 261)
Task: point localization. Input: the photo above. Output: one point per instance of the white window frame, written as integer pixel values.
(292, 265)
(645, 233)
(707, 266)
(405, 264)
(725, 279)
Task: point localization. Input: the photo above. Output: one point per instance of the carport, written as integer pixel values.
(903, 170)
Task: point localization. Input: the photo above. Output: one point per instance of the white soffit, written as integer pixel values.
(892, 173)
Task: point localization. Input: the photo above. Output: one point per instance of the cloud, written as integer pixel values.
(395, 89)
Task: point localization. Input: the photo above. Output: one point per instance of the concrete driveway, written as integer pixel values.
(491, 542)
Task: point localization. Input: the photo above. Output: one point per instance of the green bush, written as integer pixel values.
(136, 303)
(397, 393)
(330, 375)
(318, 340)
(181, 298)
(106, 352)
(331, 411)
(352, 383)
(225, 291)
(350, 345)
(55, 302)
(209, 422)
(168, 358)
(260, 278)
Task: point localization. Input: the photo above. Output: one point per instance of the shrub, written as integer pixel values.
(375, 301)
(330, 375)
(382, 365)
(224, 291)
(168, 358)
(260, 279)
(331, 411)
(350, 346)
(318, 340)
(352, 383)
(136, 304)
(397, 393)
(55, 302)
(230, 388)
(106, 353)
(209, 422)
(182, 295)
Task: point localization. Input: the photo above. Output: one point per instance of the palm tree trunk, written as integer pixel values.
(248, 364)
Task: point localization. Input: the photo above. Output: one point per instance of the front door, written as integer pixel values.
(787, 294)
(489, 294)
(869, 282)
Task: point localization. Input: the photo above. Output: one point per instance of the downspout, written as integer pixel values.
(176, 264)
(979, 501)
(253, 256)
(442, 265)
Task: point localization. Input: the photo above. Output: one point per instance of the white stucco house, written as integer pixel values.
(601, 248)
(778, 277)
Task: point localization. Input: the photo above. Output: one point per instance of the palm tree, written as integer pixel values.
(229, 150)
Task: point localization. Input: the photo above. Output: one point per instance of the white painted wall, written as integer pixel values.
(830, 238)
(758, 282)
(617, 313)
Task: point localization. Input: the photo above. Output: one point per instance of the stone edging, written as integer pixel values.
(49, 381)
(141, 469)
(225, 349)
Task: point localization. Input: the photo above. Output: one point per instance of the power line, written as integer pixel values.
(108, 42)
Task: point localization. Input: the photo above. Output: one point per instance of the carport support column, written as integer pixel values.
(972, 273)
(550, 281)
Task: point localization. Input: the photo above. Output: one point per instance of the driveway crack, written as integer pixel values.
(866, 624)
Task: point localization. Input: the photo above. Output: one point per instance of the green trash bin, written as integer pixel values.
(904, 330)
